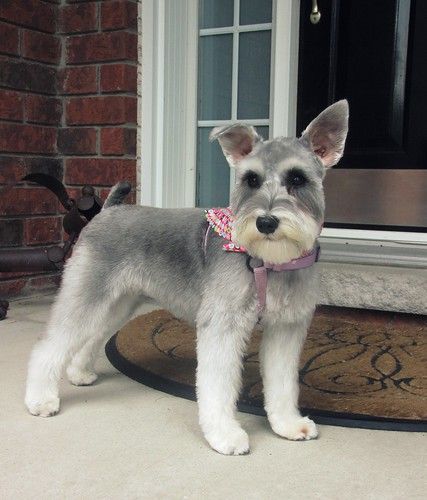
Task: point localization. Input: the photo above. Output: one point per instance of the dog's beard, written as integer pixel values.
(295, 235)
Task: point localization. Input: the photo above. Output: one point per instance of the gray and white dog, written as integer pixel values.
(158, 254)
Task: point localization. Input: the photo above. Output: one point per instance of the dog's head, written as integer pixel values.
(278, 198)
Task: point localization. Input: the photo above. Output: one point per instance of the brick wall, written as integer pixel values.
(68, 107)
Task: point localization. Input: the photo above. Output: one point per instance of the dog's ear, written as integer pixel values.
(236, 141)
(327, 133)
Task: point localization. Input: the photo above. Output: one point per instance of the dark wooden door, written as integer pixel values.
(374, 54)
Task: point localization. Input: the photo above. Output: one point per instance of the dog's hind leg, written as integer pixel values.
(81, 370)
(83, 312)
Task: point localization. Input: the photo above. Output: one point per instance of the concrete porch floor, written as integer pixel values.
(121, 440)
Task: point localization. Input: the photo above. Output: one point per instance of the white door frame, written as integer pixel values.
(168, 102)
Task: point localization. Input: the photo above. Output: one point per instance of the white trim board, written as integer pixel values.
(383, 248)
(397, 237)
(168, 103)
(284, 63)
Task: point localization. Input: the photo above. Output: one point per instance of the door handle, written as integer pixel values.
(315, 13)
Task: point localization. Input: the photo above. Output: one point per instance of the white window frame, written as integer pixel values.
(169, 30)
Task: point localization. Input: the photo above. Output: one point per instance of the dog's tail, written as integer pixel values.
(117, 194)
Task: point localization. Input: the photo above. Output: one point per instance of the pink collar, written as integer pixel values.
(221, 221)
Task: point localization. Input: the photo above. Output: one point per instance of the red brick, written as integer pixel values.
(24, 75)
(99, 171)
(11, 231)
(100, 47)
(118, 78)
(103, 193)
(27, 201)
(79, 80)
(118, 141)
(11, 105)
(40, 109)
(27, 283)
(9, 39)
(11, 169)
(45, 165)
(101, 110)
(121, 14)
(40, 46)
(31, 13)
(77, 141)
(10, 288)
(42, 230)
(78, 18)
(74, 192)
(16, 138)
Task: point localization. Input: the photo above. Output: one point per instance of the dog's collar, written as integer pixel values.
(221, 221)
(261, 272)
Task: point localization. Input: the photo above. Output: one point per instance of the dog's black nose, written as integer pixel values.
(267, 224)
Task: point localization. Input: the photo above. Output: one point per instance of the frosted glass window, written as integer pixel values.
(253, 99)
(215, 13)
(215, 75)
(255, 11)
(213, 172)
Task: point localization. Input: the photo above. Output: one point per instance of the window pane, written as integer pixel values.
(213, 172)
(215, 73)
(255, 11)
(215, 13)
(254, 75)
(263, 132)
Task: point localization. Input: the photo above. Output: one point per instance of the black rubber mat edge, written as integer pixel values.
(319, 416)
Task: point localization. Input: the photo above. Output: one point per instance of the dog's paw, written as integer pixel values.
(46, 408)
(233, 441)
(81, 377)
(296, 429)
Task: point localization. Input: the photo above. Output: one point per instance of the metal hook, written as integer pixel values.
(315, 13)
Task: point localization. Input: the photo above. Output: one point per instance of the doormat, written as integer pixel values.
(359, 368)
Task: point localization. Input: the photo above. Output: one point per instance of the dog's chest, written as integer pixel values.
(290, 294)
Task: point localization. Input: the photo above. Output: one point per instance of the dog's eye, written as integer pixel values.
(253, 180)
(296, 179)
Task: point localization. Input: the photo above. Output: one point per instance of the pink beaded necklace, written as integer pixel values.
(221, 221)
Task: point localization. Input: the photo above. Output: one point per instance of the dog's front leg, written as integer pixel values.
(279, 357)
(221, 342)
